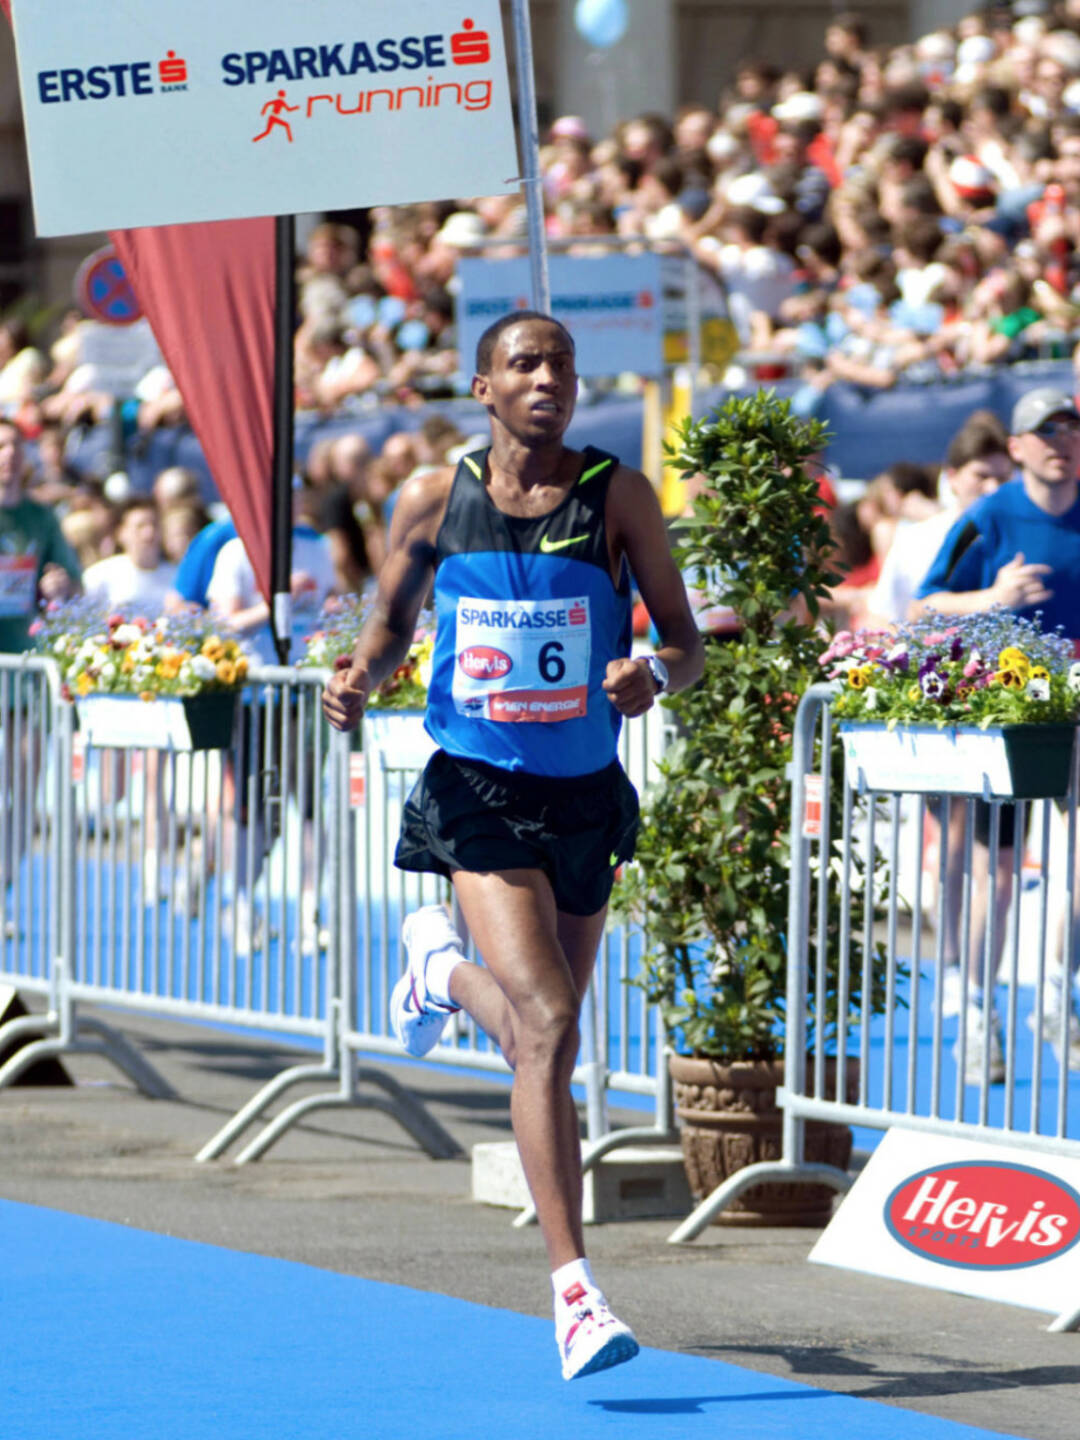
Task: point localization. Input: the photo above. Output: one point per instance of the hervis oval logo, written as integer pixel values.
(483, 662)
(984, 1215)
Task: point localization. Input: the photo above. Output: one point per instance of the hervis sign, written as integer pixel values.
(979, 1219)
(186, 110)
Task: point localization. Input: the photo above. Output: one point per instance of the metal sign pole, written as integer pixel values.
(532, 182)
(282, 479)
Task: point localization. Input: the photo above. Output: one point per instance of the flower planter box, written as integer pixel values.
(1018, 762)
(169, 722)
(397, 740)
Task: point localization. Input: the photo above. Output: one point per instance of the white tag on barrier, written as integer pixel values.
(978, 1219)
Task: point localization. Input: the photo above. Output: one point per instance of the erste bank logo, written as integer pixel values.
(118, 80)
(984, 1215)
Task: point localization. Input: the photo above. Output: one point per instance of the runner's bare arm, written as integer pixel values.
(636, 530)
(404, 583)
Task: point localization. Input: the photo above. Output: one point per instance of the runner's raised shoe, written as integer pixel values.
(589, 1336)
(417, 1016)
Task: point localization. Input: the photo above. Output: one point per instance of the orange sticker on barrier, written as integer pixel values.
(813, 794)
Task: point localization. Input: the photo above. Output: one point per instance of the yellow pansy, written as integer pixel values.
(1013, 679)
(857, 677)
(226, 672)
(1013, 659)
(213, 648)
(84, 684)
(1039, 672)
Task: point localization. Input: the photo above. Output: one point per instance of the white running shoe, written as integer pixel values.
(417, 1016)
(1052, 1023)
(589, 1336)
(976, 1032)
(952, 990)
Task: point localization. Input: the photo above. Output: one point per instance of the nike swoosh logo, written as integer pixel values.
(550, 546)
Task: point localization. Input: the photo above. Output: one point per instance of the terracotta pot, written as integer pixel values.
(729, 1119)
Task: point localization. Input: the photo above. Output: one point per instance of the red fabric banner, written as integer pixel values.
(208, 292)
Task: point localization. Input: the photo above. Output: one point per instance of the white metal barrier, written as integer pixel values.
(253, 887)
(913, 1065)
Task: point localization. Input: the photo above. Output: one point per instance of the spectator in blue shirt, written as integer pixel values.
(1019, 549)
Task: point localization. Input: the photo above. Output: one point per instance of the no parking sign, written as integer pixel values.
(103, 290)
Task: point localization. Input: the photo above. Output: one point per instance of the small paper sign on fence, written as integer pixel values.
(78, 758)
(812, 800)
(356, 781)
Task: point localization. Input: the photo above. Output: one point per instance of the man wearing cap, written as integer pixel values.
(1017, 549)
(1020, 547)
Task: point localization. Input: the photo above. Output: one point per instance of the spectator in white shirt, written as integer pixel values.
(758, 277)
(137, 578)
(234, 595)
(977, 462)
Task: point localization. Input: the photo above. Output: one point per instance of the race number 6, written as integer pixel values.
(552, 665)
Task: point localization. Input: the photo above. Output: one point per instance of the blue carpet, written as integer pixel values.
(112, 1333)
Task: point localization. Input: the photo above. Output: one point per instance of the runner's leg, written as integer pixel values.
(513, 918)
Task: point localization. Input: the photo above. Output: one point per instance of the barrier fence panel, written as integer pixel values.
(29, 836)
(254, 886)
(906, 1044)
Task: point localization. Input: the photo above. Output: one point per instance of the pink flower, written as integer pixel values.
(843, 643)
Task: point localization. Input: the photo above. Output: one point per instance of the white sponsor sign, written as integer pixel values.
(974, 1218)
(185, 110)
(523, 659)
(611, 304)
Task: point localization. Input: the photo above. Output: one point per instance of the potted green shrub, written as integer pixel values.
(710, 882)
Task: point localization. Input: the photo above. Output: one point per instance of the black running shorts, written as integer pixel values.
(463, 815)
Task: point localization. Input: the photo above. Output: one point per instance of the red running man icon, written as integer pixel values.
(276, 107)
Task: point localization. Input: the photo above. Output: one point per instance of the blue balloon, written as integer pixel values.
(601, 22)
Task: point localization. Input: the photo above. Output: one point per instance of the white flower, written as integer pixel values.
(870, 698)
(203, 668)
(142, 674)
(1074, 677)
(108, 672)
(721, 967)
(127, 634)
(1038, 689)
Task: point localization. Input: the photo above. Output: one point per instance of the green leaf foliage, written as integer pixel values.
(709, 885)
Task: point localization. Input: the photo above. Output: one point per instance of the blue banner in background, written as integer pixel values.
(870, 429)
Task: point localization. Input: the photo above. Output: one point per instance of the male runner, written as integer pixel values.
(525, 806)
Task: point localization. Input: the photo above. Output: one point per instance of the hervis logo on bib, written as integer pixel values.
(484, 662)
(984, 1215)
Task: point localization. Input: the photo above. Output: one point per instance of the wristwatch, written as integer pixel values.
(658, 670)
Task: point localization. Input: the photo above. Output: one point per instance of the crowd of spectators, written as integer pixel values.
(890, 212)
